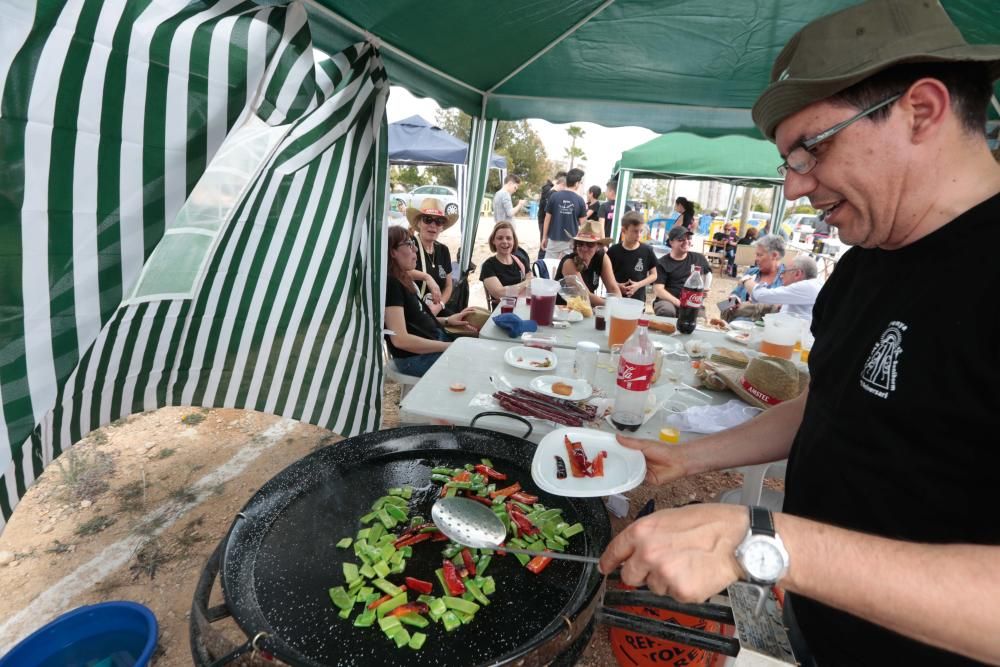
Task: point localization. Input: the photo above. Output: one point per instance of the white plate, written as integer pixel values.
(624, 469)
(563, 314)
(742, 325)
(530, 358)
(581, 388)
(741, 337)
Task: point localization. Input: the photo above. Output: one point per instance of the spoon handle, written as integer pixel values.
(549, 554)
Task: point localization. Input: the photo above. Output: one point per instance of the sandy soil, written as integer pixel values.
(134, 510)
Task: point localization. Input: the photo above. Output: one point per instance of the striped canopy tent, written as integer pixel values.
(734, 159)
(125, 286)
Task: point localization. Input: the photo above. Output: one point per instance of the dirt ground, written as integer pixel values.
(133, 511)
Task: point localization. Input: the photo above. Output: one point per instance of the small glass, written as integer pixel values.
(507, 304)
(599, 322)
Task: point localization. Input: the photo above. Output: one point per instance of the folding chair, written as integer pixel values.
(392, 373)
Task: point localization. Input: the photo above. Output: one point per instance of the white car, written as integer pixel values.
(447, 196)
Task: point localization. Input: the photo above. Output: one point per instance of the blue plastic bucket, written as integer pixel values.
(109, 634)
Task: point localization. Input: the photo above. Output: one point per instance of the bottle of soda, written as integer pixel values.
(692, 296)
(635, 377)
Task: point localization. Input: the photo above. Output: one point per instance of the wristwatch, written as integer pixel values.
(761, 554)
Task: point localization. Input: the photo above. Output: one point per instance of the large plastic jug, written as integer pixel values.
(781, 333)
(543, 300)
(624, 314)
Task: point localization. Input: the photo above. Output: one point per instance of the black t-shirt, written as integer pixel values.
(591, 275)
(438, 265)
(899, 435)
(592, 210)
(419, 322)
(543, 200)
(632, 265)
(672, 273)
(566, 208)
(607, 213)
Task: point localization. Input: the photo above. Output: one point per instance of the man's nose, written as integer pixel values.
(798, 185)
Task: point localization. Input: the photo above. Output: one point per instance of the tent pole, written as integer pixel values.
(732, 200)
(481, 138)
(621, 201)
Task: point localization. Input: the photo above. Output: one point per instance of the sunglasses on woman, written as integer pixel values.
(431, 220)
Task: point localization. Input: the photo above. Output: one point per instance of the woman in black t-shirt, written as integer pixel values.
(505, 268)
(418, 336)
(686, 210)
(590, 262)
(433, 270)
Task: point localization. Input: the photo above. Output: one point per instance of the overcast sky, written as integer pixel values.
(602, 145)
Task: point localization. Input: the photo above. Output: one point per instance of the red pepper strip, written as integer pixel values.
(597, 465)
(490, 472)
(506, 491)
(523, 523)
(464, 476)
(451, 579)
(438, 537)
(578, 463)
(410, 608)
(419, 585)
(470, 564)
(384, 598)
(537, 564)
(472, 496)
(412, 539)
(524, 497)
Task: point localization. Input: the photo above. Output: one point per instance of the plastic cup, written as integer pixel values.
(599, 322)
(781, 332)
(507, 304)
(625, 315)
(543, 300)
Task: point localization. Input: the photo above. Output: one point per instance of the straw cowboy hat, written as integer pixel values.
(592, 231)
(476, 318)
(430, 206)
(765, 382)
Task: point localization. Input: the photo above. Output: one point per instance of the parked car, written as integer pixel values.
(794, 224)
(447, 196)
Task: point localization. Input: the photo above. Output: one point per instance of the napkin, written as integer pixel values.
(713, 418)
(514, 325)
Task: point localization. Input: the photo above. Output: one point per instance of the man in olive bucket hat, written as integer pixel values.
(886, 542)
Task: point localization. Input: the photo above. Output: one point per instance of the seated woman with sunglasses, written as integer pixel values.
(418, 337)
(506, 268)
(589, 262)
(433, 271)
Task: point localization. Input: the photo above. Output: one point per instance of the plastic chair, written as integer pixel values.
(746, 255)
(392, 373)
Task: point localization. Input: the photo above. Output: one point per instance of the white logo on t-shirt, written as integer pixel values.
(638, 266)
(878, 377)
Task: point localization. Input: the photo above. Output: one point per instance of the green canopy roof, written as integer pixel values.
(694, 65)
(733, 159)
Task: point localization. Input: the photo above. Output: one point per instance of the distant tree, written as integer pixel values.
(409, 176)
(575, 132)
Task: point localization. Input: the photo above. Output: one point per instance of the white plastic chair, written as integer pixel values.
(404, 381)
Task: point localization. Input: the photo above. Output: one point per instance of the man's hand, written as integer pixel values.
(663, 463)
(628, 288)
(686, 553)
(434, 289)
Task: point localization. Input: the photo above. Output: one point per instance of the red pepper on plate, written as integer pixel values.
(419, 585)
(523, 523)
(578, 463)
(470, 564)
(597, 465)
(464, 476)
(524, 497)
(451, 579)
(538, 563)
(473, 496)
(489, 472)
(438, 537)
(410, 608)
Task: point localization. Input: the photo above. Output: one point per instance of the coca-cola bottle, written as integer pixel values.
(692, 296)
(635, 377)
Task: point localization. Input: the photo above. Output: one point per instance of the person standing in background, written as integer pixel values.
(593, 202)
(566, 212)
(543, 201)
(606, 212)
(633, 262)
(686, 210)
(503, 208)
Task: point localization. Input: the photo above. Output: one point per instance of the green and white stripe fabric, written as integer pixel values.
(109, 114)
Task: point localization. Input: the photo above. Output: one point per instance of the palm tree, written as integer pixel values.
(573, 152)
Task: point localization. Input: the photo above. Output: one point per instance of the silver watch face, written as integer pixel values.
(762, 559)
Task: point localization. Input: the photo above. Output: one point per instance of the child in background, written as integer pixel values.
(729, 232)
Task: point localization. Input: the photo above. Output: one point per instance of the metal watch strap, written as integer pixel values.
(761, 521)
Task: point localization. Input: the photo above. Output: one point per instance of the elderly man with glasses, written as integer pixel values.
(885, 543)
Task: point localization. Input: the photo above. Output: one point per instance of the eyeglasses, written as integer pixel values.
(801, 159)
(429, 220)
(585, 244)
(407, 244)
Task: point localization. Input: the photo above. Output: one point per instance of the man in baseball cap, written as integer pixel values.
(879, 112)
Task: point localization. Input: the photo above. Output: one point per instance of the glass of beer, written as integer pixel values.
(624, 314)
(781, 332)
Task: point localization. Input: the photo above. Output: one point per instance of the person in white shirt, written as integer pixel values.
(798, 292)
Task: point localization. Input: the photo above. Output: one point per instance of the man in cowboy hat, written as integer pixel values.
(590, 262)
(885, 543)
(673, 269)
(433, 271)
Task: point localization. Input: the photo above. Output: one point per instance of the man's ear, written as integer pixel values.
(929, 104)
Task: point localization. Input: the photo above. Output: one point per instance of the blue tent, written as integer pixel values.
(415, 141)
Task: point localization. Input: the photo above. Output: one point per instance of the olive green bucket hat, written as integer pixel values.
(837, 51)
